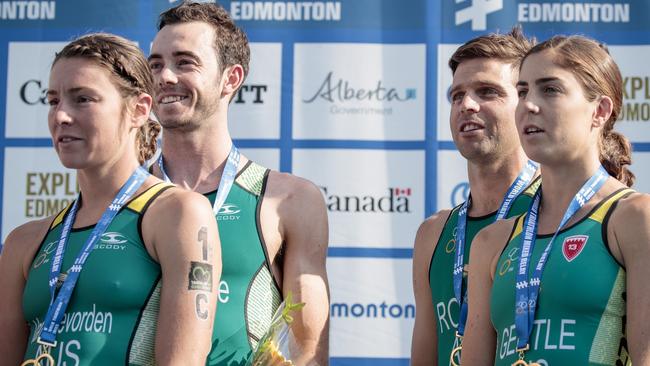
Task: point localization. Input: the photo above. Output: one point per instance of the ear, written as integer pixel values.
(141, 109)
(603, 111)
(232, 79)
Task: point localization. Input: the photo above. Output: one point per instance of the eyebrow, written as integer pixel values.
(51, 92)
(176, 54)
(538, 81)
(479, 83)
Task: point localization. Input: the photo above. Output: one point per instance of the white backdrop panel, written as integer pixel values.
(36, 185)
(633, 62)
(375, 198)
(27, 81)
(359, 91)
(268, 158)
(453, 187)
(444, 83)
(640, 167)
(372, 307)
(255, 111)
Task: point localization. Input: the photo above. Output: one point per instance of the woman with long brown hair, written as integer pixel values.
(566, 283)
(127, 273)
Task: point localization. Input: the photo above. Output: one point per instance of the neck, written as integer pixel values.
(489, 181)
(195, 160)
(100, 185)
(561, 183)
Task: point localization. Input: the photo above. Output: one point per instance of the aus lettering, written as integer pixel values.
(66, 353)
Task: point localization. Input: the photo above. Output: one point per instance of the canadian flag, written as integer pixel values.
(573, 245)
(402, 191)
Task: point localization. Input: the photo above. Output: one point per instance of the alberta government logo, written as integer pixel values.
(340, 93)
(396, 200)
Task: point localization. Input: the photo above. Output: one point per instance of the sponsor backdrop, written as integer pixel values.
(351, 94)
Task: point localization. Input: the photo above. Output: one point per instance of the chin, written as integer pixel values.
(70, 164)
(474, 151)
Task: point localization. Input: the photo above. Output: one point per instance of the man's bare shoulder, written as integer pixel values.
(431, 228)
(490, 241)
(427, 238)
(292, 189)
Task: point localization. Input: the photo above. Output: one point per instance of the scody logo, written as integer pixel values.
(396, 201)
(113, 238)
(228, 212)
(339, 90)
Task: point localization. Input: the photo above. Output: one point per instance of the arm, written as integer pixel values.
(424, 344)
(479, 343)
(14, 266)
(183, 234)
(634, 245)
(303, 220)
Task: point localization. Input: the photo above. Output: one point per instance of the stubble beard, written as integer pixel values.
(202, 111)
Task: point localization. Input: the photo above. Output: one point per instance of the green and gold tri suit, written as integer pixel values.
(580, 318)
(441, 279)
(248, 292)
(112, 315)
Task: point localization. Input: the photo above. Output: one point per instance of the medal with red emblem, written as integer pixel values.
(573, 245)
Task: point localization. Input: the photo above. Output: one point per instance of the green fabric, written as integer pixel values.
(441, 279)
(581, 307)
(112, 314)
(248, 293)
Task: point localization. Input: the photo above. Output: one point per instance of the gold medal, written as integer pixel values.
(521, 361)
(524, 363)
(455, 353)
(45, 356)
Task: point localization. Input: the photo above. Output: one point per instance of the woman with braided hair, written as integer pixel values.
(567, 282)
(125, 274)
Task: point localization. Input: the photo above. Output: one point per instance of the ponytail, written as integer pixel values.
(146, 140)
(615, 154)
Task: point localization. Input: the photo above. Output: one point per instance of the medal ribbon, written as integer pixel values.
(59, 303)
(527, 291)
(227, 177)
(515, 189)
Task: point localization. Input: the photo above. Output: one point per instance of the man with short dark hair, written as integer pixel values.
(273, 226)
(483, 101)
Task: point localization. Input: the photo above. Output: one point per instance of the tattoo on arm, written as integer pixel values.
(200, 277)
(203, 239)
(201, 300)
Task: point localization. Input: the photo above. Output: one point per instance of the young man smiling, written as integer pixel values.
(273, 226)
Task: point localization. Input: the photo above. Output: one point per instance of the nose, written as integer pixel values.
(530, 106)
(469, 104)
(167, 76)
(60, 115)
